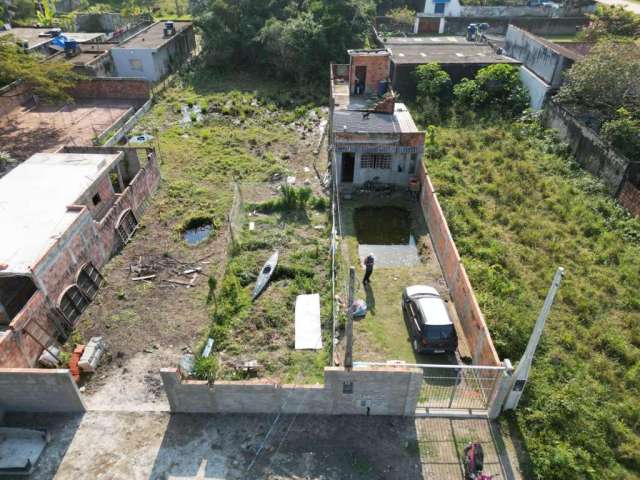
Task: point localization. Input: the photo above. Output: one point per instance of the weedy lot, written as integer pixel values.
(518, 208)
(210, 130)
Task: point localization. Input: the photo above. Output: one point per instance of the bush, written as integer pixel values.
(496, 89)
(623, 133)
(206, 368)
(291, 198)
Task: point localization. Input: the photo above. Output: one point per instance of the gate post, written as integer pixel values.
(502, 390)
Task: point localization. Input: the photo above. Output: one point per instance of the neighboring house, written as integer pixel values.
(154, 52)
(372, 138)
(544, 62)
(63, 215)
(448, 8)
(457, 56)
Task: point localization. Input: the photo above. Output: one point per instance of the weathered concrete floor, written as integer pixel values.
(110, 445)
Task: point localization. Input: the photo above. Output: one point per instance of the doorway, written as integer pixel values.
(361, 76)
(348, 164)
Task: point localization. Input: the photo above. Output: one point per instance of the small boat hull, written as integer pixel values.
(265, 275)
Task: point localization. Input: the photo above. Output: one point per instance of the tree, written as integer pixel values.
(605, 80)
(295, 40)
(612, 20)
(496, 89)
(49, 80)
(434, 91)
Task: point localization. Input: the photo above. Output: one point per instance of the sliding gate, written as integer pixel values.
(452, 390)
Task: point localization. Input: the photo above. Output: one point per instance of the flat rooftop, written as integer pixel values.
(446, 54)
(36, 36)
(352, 121)
(430, 40)
(30, 129)
(31, 35)
(153, 36)
(33, 203)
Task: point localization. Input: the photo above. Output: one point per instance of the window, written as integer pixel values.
(89, 279)
(375, 160)
(412, 163)
(127, 225)
(72, 303)
(439, 8)
(135, 64)
(96, 199)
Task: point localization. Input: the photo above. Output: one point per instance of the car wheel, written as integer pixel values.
(416, 347)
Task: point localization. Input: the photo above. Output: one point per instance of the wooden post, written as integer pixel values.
(348, 355)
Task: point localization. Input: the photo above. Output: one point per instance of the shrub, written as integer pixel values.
(623, 133)
(206, 368)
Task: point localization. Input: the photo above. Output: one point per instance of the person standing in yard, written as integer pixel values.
(368, 268)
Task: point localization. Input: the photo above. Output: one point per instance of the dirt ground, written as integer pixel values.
(159, 446)
(148, 325)
(31, 129)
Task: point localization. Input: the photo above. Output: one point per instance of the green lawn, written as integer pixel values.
(518, 209)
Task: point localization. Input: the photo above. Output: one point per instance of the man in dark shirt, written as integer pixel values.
(368, 268)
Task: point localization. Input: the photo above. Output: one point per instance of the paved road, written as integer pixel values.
(629, 5)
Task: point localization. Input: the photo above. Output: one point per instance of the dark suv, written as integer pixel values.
(432, 330)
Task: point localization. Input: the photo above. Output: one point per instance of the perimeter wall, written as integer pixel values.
(473, 323)
(358, 391)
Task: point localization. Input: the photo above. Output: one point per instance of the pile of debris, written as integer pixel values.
(167, 269)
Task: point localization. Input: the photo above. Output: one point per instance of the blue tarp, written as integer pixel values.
(60, 40)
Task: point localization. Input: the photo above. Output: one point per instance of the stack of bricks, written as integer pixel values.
(73, 363)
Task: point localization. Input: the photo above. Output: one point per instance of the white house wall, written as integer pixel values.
(135, 62)
(389, 175)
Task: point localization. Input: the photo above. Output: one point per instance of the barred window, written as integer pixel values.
(89, 279)
(73, 303)
(376, 160)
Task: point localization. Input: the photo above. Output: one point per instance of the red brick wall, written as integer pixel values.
(415, 139)
(464, 299)
(115, 88)
(104, 188)
(12, 96)
(629, 197)
(378, 68)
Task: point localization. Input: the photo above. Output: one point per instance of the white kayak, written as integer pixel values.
(265, 275)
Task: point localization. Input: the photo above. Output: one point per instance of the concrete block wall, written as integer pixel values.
(360, 391)
(471, 318)
(39, 390)
(536, 87)
(537, 55)
(586, 146)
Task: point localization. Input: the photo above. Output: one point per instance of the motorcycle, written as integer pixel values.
(474, 463)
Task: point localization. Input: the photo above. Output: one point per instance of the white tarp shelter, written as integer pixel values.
(308, 330)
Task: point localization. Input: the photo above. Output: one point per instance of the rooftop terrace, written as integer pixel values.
(153, 36)
(449, 53)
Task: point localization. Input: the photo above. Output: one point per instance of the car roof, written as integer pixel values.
(421, 289)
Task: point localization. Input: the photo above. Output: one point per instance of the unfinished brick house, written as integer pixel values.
(372, 137)
(63, 215)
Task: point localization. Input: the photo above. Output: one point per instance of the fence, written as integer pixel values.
(471, 318)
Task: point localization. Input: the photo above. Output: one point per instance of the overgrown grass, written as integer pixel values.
(248, 132)
(518, 208)
(263, 330)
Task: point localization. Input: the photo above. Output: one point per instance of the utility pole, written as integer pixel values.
(348, 354)
(521, 374)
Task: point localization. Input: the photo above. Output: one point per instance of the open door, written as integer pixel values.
(361, 74)
(348, 164)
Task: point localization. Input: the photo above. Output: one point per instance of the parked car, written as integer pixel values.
(432, 330)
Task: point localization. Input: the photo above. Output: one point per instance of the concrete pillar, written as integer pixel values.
(170, 382)
(501, 391)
